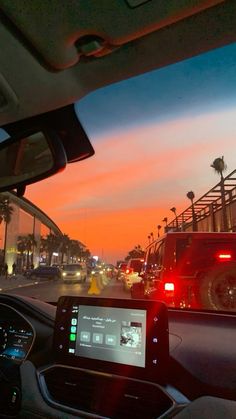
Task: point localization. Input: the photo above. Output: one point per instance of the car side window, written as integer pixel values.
(159, 252)
(155, 255)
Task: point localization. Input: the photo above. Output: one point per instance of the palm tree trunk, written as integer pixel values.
(50, 258)
(27, 263)
(21, 260)
(5, 243)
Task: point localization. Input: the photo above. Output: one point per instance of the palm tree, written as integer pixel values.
(6, 211)
(220, 166)
(165, 220)
(85, 253)
(21, 247)
(190, 195)
(75, 249)
(137, 252)
(50, 244)
(64, 247)
(27, 244)
(158, 230)
(173, 209)
(31, 243)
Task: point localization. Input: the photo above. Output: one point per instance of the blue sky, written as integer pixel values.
(197, 85)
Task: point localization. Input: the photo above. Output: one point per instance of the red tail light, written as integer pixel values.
(129, 271)
(224, 256)
(169, 286)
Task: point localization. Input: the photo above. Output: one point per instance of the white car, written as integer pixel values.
(76, 272)
(132, 272)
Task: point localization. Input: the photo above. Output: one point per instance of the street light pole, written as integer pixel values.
(173, 209)
(165, 220)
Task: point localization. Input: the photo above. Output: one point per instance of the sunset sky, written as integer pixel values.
(155, 137)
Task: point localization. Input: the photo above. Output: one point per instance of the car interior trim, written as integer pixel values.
(178, 400)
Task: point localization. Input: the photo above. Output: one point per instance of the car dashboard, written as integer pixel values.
(37, 382)
(16, 334)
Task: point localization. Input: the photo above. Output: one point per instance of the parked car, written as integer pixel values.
(45, 272)
(76, 272)
(191, 269)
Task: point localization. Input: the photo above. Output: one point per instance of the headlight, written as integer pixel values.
(101, 272)
(92, 272)
(63, 273)
(77, 273)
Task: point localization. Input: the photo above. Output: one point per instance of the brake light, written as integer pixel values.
(169, 286)
(224, 256)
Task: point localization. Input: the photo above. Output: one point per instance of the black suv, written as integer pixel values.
(45, 272)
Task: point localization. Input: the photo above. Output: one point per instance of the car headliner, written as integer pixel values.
(155, 39)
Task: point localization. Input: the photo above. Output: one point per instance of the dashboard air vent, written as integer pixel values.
(103, 395)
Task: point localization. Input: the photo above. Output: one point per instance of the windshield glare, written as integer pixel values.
(161, 188)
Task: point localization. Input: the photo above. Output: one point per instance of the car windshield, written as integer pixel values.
(161, 186)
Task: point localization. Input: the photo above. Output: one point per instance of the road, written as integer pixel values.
(52, 290)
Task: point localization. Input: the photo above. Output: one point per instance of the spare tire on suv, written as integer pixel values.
(217, 289)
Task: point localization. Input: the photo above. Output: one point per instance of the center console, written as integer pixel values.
(111, 358)
(128, 338)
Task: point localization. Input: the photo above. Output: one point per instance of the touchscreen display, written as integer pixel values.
(125, 337)
(109, 334)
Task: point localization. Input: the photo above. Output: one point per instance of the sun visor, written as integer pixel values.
(63, 32)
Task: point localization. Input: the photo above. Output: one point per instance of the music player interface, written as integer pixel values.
(109, 334)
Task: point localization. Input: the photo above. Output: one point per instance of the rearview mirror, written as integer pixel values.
(38, 147)
(30, 158)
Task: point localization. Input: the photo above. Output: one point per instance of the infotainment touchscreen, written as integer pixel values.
(109, 334)
(112, 335)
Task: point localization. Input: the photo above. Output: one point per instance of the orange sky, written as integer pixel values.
(113, 200)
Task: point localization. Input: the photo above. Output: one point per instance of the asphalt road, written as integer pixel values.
(52, 290)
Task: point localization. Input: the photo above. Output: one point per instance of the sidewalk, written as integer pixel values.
(16, 281)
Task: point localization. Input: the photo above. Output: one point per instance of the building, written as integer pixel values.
(26, 219)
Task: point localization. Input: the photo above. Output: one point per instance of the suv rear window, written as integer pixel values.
(136, 265)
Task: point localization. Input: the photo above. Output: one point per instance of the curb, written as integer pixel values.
(21, 286)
